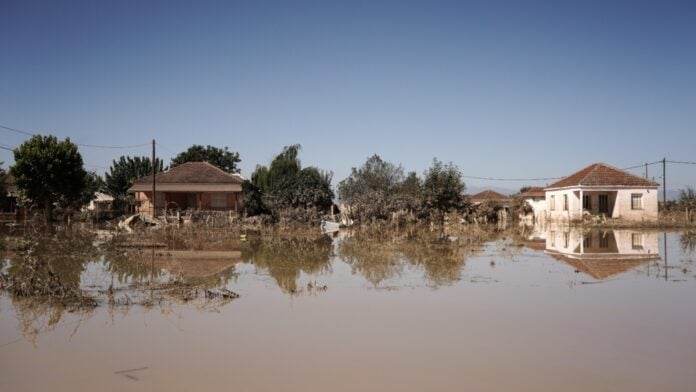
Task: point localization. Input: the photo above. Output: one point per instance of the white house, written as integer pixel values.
(600, 189)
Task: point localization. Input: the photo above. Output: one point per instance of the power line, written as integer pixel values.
(78, 144)
(682, 162)
(642, 165)
(16, 130)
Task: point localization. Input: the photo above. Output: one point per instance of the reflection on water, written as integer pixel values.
(603, 253)
(67, 278)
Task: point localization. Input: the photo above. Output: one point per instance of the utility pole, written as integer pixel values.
(646, 170)
(664, 182)
(154, 182)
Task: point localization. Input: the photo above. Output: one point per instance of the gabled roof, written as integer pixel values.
(601, 174)
(603, 268)
(193, 173)
(488, 195)
(535, 191)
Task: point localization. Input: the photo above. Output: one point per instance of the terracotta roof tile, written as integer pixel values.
(193, 173)
(601, 174)
(488, 195)
(534, 192)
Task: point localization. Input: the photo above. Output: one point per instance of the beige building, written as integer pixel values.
(190, 186)
(600, 189)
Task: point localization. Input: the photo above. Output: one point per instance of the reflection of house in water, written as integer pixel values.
(196, 263)
(602, 253)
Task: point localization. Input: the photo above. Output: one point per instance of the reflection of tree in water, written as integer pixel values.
(43, 280)
(373, 258)
(687, 240)
(285, 258)
(381, 257)
(52, 273)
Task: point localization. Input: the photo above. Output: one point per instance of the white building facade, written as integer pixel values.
(602, 190)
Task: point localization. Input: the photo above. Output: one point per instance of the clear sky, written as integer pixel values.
(502, 89)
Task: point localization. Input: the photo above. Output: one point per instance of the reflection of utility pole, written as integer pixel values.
(664, 182)
(664, 241)
(154, 181)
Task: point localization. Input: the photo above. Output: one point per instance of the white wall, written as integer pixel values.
(622, 208)
(619, 204)
(574, 210)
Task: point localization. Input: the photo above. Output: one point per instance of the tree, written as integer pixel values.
(524, 189)
(282, 169)
(443, 187)
(48, 172)
(127, 169)
(3, 179)
(285, 184)
(687, 201)
(220, 157)
(253, 202)
(376, 175)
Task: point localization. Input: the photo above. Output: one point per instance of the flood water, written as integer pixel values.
(542, 309)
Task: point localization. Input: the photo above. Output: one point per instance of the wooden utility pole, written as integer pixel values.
(154, 181)
(664, 182)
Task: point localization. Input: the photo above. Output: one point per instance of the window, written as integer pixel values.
(636, 201)
(603, 204)
(604, 241)
(553, 238)
(553, 203)
(637, 241)
(566, 240)
(565, 202)
(218, 200)
(587, 202)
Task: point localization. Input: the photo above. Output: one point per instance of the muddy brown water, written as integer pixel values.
(544, 309)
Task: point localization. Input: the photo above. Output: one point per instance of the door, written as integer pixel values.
(191, 201)
(604, 204)
(587, 202)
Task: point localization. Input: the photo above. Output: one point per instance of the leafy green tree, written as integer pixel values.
(48, 172)
(285, 184)
(220, 157)
(280, 172)
(376, 175)
(127, 169)
(411, 185)
(443, 187)
(3, 180)
(524, 189)
(253, 202)
(310, 187)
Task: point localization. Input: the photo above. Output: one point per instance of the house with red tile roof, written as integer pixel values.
(190, 186)
(601, 189)
(489, 196)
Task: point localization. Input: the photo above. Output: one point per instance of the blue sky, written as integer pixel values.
(502, 89)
